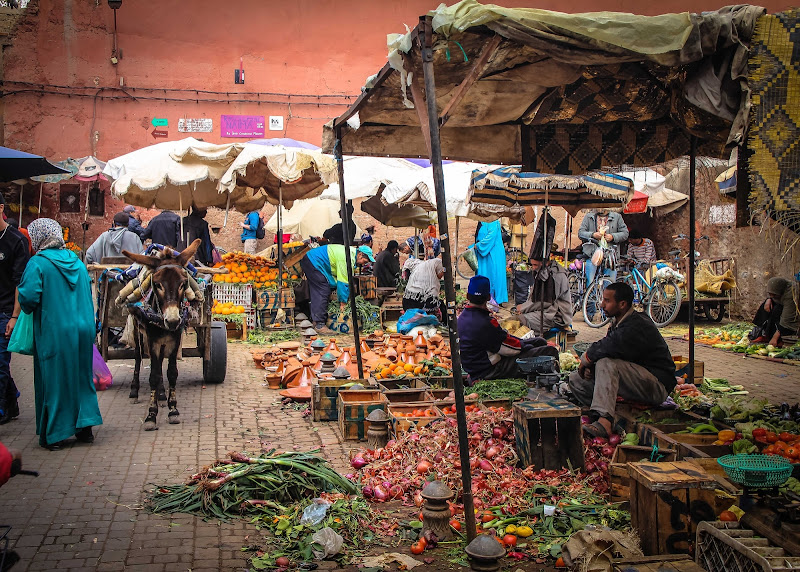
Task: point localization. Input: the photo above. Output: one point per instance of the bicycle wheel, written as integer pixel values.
(664, 303)
(576, 290)
(463, 268)
(594, 294)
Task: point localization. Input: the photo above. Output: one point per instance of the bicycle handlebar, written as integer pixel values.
(677, 237)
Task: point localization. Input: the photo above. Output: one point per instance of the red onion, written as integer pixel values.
(599, 441)
(607, 450)
(585, 420)
(358, 462)
(602, 466)
(475, 428)
(396, 492)
(590, 466)
(484, 465)
(368, 491)
(418, 500)
(491, 452)
(380, 494)
(614, 439)
(350, 476)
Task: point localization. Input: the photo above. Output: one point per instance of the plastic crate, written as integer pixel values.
(238, 294)
(729, 547)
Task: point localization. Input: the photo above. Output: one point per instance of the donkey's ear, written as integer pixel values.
(185, 256)
(142, 259)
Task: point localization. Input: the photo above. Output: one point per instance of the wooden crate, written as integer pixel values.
(441, 394)
(402, 424)
(412, 396)
(682, 367)
(504, 403)
(325, 397)
(618, 468)
(548, 433)
(437, 382)
(354, 405)
(272, 299)
(367, 287)
(451, 403)
(667, 501)
(662, 563)
(405, 383)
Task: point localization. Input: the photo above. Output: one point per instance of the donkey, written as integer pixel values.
(162, 329)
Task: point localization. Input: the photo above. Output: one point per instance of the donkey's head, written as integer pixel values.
(170, 281)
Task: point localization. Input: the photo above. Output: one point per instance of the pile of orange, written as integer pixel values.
(248, 269)
(226, 308)
(396, 370)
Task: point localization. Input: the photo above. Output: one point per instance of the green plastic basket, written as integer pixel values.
(757, 471)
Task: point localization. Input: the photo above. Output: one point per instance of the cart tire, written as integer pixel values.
(215, 367)
(714, 311)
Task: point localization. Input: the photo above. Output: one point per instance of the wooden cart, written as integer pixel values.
(212, 343)
(712, 307)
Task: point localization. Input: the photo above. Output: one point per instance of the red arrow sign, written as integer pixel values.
(159, 133)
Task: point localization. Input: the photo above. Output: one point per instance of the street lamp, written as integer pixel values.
(116, 54)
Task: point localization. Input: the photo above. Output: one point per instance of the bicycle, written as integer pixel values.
(594, 292)
(576, 275)
(661, 300)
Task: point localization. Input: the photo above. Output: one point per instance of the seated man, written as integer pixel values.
(641, 249)
(632, 361)
(777, 316)
(550, 292)
(487, 350)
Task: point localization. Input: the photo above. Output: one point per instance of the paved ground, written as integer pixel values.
(84, 511)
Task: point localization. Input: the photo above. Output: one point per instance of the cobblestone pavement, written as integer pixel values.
(84, 512)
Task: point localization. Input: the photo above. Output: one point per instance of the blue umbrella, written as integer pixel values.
(19, 165)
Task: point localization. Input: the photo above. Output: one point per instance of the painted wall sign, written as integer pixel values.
(241, 125)
(276, 123)
(159, 122)
(159, 133)
(204, 125)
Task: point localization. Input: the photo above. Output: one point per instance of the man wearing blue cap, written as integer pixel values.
(487, 350)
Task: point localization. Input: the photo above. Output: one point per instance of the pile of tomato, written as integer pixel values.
(416, 413)
(451, 409)
(785, 444)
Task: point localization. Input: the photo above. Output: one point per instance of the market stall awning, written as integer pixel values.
(561, 93)
(307, 217)
(365, 176)
(512, 187)
(20, 165)
(660, 199)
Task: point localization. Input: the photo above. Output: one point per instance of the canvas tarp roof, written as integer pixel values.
(593, 89)
(662, 200)
(307, 217)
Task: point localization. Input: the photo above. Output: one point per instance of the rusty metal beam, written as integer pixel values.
(475, 73)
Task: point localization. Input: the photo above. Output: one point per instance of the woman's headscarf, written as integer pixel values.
(45, 233)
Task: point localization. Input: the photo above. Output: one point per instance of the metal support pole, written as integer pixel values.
(337, 152)
(279, 242)
(692, 181)
(449, 284)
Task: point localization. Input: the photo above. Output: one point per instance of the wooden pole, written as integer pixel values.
(692, 182)
(338, 154)
(425, 45)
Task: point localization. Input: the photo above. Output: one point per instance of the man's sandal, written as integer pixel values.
(595, 430)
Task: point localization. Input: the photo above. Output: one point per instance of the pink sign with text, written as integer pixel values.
(241, 125)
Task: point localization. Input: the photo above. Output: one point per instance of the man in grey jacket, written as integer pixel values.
(113, 241)
(549, 297)
(599, 225)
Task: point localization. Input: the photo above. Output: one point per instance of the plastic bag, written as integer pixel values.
(330, 542)
(415, 317)
(100, 371)
(315, 512)
(21, 341)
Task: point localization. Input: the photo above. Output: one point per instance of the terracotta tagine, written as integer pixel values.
(345, 359)
(300, 390)
(364, 347)
(328, 362)
(341, 373)
(332, 347)
(318, 346)
(391, 354)
(420, 342)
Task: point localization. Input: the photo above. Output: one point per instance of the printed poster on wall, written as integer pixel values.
(241, 125)
(204, 125)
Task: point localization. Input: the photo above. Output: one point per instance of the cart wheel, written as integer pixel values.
(215, 367)
(714, 312)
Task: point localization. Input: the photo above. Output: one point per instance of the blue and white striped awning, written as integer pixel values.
(511, 187)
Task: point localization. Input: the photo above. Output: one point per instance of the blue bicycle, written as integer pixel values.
(659, 299)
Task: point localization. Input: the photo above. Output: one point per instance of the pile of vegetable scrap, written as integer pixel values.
(688, 395)
(296, 532)
(230, 488)
(406, 464)
(724, 337)
(737, 409)
(501, 389)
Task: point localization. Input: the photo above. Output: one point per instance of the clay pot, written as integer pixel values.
(364, 347)
(420, 341)
(332, 347)
(274, 380)
(345, 358)
(391, 354)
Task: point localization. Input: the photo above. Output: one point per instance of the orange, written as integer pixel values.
(408, 367)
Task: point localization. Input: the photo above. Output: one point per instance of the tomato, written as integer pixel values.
(728, 516)
(487, 517)
(423, 542)
(780, 447)
(510, 540)
(560, 563)
(769, 450)
(787, 437)
(420, 516)
(792, 452)
(455, 524)
(771, 437)
(417, 548)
